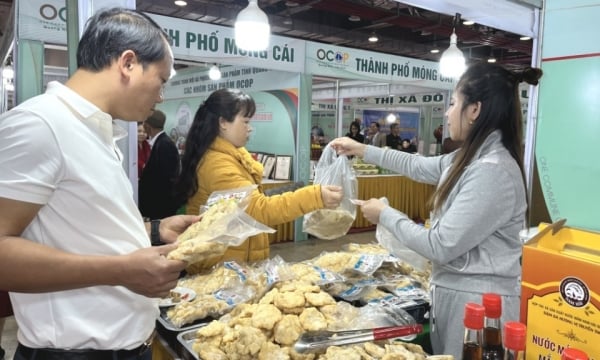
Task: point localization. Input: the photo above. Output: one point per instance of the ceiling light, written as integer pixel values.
(390, 118)
(434, 51)
(214, 73)
(180, 3)
(354, 18)
(452, 62)
(525, 38)
(491, 59)
(373, 37)
(252, 29)
(8, 73)
(468, 22)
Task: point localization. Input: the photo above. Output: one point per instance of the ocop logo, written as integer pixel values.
(333, 56)
(49, 12)
(574, 291)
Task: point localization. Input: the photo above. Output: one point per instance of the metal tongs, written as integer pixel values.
(315, 341)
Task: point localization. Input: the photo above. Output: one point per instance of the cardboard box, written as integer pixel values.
(560, 290)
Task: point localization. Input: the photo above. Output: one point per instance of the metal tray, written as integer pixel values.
(186, 339)
(164, 320)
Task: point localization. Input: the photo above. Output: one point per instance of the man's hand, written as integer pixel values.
(148, 272)
(171, 227)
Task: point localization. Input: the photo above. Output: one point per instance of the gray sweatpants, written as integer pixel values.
(447, 314)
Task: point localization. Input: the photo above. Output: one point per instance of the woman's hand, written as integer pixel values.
(371, 209)
(331, 196)
(173, 226)
(347, 146)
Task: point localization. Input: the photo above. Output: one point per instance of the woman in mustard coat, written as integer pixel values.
(215, 159)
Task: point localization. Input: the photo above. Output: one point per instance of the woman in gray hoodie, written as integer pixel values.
(479, 205)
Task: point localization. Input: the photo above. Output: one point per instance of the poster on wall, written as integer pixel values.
(275, 94)
(408, 122)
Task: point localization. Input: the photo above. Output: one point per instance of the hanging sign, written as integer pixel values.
(46, 20)
(402, 100)
(337, 61)
(194, 40)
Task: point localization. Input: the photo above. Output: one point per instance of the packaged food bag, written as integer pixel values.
(329, 224)
(386, 239)
(224, 223)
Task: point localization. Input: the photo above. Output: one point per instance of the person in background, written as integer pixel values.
(393, 139)
(156, 191)
(374, 137)
(449, 145)
(143, 148)
(354, 132)
(75, 253)
(407, 146)
(478, 207)
(317, 135)
(215, 159)
(5, 311)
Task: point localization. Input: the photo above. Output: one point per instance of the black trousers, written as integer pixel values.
(25, 353)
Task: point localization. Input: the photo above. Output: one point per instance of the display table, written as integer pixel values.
(284, 232)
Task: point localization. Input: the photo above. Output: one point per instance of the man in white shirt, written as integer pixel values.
(75, 253)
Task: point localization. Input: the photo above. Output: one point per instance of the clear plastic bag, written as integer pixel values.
(224, 223)
(331, 224)
(386, 239)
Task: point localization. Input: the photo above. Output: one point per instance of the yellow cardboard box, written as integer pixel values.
(560, 289)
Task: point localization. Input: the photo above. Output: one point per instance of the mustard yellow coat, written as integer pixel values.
(226, 167)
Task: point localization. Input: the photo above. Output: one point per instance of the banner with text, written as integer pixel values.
(401, 100)
(337, 61)
(46, 20)
(194, 82)
(194, 40)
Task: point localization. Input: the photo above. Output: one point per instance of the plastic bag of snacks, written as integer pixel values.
(333, 223)
(224, 223)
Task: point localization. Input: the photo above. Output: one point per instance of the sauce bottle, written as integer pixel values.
(514, 340)
(472, 341)
(492, 334)
(573, 354)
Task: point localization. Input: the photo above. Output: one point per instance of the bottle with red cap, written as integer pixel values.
(573, 354)
(492, 334)
(515, 335)
(473, 339)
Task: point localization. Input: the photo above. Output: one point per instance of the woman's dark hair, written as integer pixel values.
(111, 31)
(223, 104)
(355, 124)
(498, 91)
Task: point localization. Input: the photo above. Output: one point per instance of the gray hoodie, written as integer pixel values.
(473, 241)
